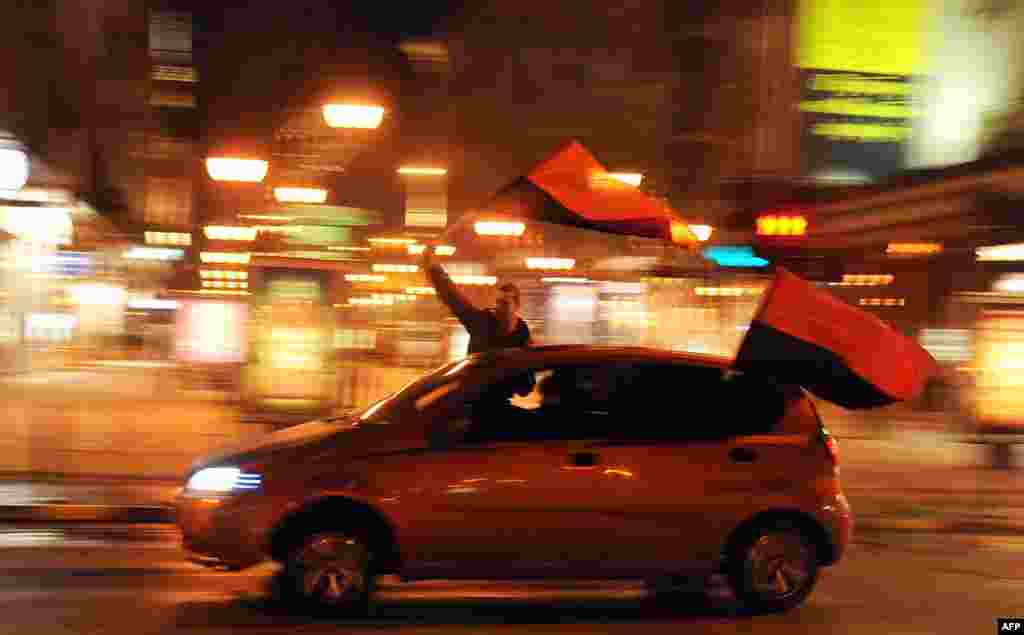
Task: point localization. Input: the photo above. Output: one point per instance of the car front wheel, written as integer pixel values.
(331, 571)
(773, 567)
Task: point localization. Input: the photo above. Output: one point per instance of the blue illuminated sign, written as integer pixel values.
(734, 257)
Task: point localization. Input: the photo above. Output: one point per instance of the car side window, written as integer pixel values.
(675, 403)
(564, 403)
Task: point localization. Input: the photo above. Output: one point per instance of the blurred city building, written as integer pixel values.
(885, 178)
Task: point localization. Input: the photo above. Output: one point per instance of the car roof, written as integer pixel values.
(586, 354)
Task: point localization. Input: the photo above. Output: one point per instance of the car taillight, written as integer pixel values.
(833, 448)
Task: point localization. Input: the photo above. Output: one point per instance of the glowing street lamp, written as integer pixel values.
(412, 170)
(353, 116)
(236, 169)
(702, 232)
(300, 195)
(14, 165)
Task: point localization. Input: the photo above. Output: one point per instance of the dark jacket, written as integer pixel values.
(483, 325)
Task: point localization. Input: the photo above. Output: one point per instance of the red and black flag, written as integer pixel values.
(572, 188)
(840, 353)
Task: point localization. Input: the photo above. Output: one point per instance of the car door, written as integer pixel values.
(499, 501)
(678, 471)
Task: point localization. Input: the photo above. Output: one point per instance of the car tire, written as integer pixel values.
(772, 567)
(330, 571)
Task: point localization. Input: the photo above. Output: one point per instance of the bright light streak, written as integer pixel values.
(421, 290)
(95, 294)
(225, 284)
(1001, 253)
(219, 232)
(487, 281)
(702, 232)
(232, 258)
(421, 171)
(563, 264)
(629, 178)
(393, 241)
(556, 279)
(168, 238)
(913, 248)
(270, 217)
(395, 268)
(444, 250)
(346, 248)
(14, 169)
(300, 194)
(364, 277)
(499, 228)
(415, 250)
(222, 292)
(154, 253)
(152, 303)
(353, 116)
(236, 169)
(223, 275)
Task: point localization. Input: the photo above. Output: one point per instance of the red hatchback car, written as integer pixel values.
(551, 462)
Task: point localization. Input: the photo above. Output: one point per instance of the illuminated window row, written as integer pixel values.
(230, 258)
(225, 284)
(168, 238)
(210, 274)
(781, 225)
(882, 302)
(866, 280)
(421, 291)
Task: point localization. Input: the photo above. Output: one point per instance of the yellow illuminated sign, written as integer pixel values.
(882, 37)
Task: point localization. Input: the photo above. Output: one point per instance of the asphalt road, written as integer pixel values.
(121, 579)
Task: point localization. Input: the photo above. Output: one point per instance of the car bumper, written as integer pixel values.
(222, 532)
(837, 519)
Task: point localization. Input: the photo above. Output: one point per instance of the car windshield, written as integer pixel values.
(382, 409)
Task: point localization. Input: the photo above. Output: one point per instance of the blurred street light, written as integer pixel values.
(353, 116)
(913, 249)
(1001, 253)
(630, 178)
(499, 228)
(218, 232)
(702, 232)
(168, 238)
(14, 164)
(230, 258)
(410, 170)
(300, 195)
(154, 253)
(236, 169)
(562, 264)
(784, 225)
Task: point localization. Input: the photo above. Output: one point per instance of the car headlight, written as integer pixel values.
(223, 479)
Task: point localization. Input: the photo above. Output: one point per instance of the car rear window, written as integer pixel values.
(690, 402)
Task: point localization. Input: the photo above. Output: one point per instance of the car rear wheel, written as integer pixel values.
(331, 571)
(773, 567)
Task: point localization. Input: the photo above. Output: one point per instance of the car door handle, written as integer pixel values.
(583, 459)
(742, 455)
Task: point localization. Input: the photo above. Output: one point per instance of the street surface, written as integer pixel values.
(133, 579)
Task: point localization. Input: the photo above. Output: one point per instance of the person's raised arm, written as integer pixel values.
(447, 291)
